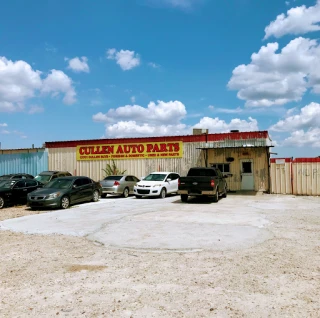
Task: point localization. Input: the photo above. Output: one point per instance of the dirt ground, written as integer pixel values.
(62, 276)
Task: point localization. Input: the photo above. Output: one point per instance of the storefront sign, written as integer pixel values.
(130, 151)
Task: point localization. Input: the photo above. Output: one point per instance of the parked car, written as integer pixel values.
(118, 185)
(47, 176)
(15, 191)
(209, 182)
(157, 184)
(62, 192)
(16, 176)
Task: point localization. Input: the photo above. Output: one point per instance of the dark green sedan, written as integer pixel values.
(62, 192)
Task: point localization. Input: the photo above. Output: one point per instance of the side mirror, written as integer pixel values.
(168, 179)
(74, 186)
(225, 176)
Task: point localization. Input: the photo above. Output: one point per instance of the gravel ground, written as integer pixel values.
(61, 276)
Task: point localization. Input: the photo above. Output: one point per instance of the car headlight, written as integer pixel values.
(53, 195)
(157, 185)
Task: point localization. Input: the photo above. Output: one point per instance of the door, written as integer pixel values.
(75, 194)
(173, 184)
(19, 192)
(247, 177)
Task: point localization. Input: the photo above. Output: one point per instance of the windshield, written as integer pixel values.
(113, 178)
(155, 177)
(42, 178)
(7, 184)
(59, 184)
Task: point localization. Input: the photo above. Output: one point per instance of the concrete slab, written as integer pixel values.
(161, 224)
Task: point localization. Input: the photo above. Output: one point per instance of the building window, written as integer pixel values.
(223, 167)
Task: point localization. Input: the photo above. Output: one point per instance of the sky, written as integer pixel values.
(73, 70)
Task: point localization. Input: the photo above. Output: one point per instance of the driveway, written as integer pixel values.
(245, 256)
(159, 224)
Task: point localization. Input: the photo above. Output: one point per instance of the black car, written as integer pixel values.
(15, 191)
(62, 192)
(16, 176)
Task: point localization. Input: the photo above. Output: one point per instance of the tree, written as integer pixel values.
(112, 169)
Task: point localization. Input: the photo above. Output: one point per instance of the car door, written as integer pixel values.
(75, 193)
(129, 182)
(170, 184)
(19, 192)
(86, 189)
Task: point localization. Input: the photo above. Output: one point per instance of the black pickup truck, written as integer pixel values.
(208, 182)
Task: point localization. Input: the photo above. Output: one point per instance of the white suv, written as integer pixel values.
(157, 184)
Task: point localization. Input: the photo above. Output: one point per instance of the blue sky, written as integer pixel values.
(123, 68)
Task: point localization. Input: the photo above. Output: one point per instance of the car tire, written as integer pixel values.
(163, 193)
(65, 202)
(125, 193)
(103, 195)
(184, 197)
(225, 193)
(1, 202)
(95, 196)
(216, 196)
(138, 196)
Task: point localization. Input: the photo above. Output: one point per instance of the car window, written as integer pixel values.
(20, 184)
(135, 179)
(85, 181)
(155, 177)
(112, 178)
(61, 175)
(129, 178)
(174, 176)
(31, 183)
(54, 177)
(59, 184)
(77, 182)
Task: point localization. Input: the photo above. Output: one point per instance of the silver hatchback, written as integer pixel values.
(121, 185)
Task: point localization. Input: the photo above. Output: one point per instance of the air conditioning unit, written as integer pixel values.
(197, 131)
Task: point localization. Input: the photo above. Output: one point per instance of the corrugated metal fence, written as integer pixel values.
(23, 162)
(300, 176)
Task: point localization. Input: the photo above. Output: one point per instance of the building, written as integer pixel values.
(243, 156)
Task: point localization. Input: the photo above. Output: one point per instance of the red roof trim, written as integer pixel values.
(306, 160)
(188, 138)
(273, 160)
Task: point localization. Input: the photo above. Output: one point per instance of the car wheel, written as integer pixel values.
(184, 197)
(65, 202)
(1, 202)
(216, 196)
(225, 192)
(125, 193)
(95, 196)
(138, 196)
(163, 193)
(103, 195)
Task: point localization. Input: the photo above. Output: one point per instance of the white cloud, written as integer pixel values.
(162, 113)
(3, 125)
(126, 59)
(216, 125)
(301, 138)
(78, 64)
(58, 82)
(160, 119)
(278, 78)
(299, 20)
(35, 109)
(133, 99)
(309, 117)
(19, 83)
(226, 110)
(153, 65)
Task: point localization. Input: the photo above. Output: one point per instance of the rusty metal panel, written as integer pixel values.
(260, 165)
(65, 159)
(306, 178)
(281, 173)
